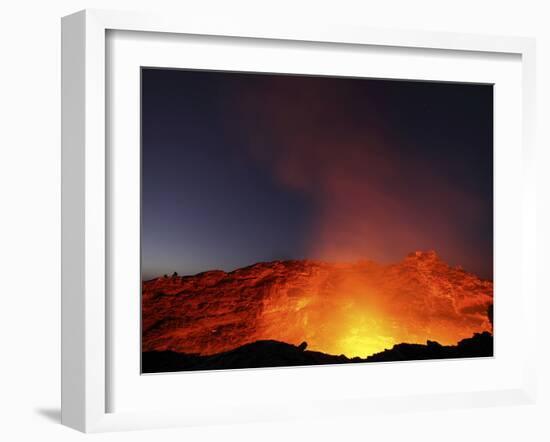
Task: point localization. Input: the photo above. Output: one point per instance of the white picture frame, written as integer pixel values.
(86, 203)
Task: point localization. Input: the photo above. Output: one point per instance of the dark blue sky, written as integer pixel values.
(239, 168)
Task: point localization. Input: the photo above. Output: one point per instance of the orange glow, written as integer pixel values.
(364, 308)
(355, 309)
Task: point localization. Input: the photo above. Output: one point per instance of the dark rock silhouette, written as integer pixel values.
(480, 345)
(253, 355)
(270, 353)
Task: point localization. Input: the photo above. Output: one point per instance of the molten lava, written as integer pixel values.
(355, 309)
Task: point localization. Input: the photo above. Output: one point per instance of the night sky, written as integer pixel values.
(240, 168)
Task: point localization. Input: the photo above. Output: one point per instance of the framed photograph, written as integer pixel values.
(293, 222)
(284, 222)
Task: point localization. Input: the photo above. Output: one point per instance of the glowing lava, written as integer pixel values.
(355, 309)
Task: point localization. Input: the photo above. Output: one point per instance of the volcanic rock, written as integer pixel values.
(279, 354)
(355, 309)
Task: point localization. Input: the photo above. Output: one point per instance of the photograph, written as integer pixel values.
(297, 220)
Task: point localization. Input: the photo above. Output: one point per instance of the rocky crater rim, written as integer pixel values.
(419, 256)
